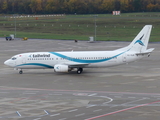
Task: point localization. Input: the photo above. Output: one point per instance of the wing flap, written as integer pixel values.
(75, 65)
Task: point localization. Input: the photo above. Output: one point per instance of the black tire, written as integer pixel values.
(79, 70)
(20, 72)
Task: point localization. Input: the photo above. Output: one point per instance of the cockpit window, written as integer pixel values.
(13, 58)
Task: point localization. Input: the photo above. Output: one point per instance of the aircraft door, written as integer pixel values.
(23, 59)
(124, 58)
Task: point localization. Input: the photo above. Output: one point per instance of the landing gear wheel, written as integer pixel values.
(79, 70)
(20, 72)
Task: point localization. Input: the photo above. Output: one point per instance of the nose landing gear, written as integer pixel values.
(20, 72)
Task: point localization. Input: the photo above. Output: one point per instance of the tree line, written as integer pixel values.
(77, 6)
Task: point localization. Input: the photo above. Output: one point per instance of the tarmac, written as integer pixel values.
(126, 92)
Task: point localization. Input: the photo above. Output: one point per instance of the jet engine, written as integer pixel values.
(61, 68)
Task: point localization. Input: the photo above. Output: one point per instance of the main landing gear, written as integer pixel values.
(79, 70)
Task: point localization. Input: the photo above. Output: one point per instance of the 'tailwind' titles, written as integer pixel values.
(41, 55)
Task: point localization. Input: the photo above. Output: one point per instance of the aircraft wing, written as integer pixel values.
(75, 65)
(146, 52)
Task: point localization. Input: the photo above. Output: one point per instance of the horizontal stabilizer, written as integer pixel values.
(146, 52)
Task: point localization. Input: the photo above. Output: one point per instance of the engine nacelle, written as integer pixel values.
(61, 68)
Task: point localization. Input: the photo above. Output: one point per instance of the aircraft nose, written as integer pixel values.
(10, 63)
(6, 62)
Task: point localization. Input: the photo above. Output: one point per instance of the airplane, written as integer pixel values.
(68, 61)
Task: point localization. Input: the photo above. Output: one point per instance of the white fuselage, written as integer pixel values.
(38, 60)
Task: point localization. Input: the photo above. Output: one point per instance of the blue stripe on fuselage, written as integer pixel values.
(36, 64)
(86, 61)
(73, 59)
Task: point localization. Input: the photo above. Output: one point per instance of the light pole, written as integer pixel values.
(15, 25)
(95, 25)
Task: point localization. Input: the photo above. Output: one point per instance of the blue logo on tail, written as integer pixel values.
(139, 41)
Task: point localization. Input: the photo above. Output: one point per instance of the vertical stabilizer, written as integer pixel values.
(140, 42)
